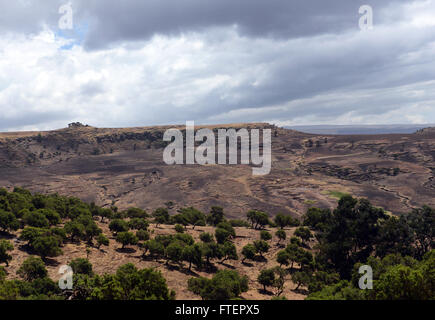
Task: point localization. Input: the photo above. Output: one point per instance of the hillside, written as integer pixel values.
(124, 167)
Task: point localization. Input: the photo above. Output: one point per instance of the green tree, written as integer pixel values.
(138, 224)
(118, 225)
(174, 252)
(179, 228)
(142, 235)
(261, 247)
(222, 235)
(265, 235)
(102, 240)
(75, 230)
(32, 268)
(126, 238)
(258, 219)
(229, 251)
(281, 235)
(193, 216)
(225, 285)
(266, 278)
(249, 251)
(36, 219)
(81, 266)
(206, 237)
(193, 254)
(155, 248)
(161, 216)
(8, 221)
(304, 233)
(301, 278)
(5, 246)
(283, 258)
(216, 216)
(47, 246)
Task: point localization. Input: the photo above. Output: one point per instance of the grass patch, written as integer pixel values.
(337, 194)
(310, 202)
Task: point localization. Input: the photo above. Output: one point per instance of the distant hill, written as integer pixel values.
(124, 167)
(361, 129)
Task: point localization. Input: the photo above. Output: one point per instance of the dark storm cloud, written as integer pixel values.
(117, 21)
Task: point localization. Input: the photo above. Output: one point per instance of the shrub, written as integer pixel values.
(81, 266)
(36, 219)
(266, 278)
(143, 235)
(5, 246)
(206, 237)
(118, 225)
(179, 228)
(281, 235)
(249, 251)
(102, 240)
(126, 238)
(265, 235)
(32, 268)
(225, 285)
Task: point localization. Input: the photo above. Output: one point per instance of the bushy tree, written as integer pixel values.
(174, 252)
(266, 278)
(281, 235)
(283, 221)
(222, 235)
(36, 219)
(179, 228)
(317, 219)
(102, 240)
(193, 216)
(161, 216)
(249, 251)
(142, 235)
(136, 213)
(229, 251)
(32, 268)
(225, 285)
(283, 257)
(118, 225)
(265, 235)
(126, 238)
(75, 230)
(47, 246)
(5, 246)
(304, 233)
(193, 254)
(81, 266)
(8, 221)
(206, 237)
(52, 216)
(216, 216)
(258, 219)
(211, 250)
(155, 248)
(261, 247)
(138, 224)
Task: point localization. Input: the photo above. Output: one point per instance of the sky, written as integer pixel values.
(139, 63)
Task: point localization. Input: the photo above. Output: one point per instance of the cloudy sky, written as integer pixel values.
(136, 63)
